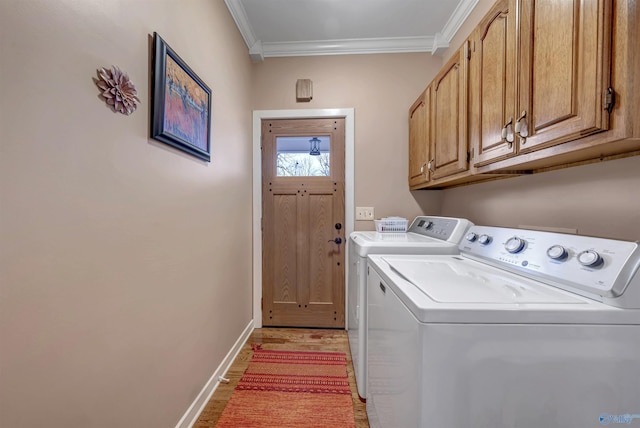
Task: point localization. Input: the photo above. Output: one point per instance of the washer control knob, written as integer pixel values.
(428, 225)
(557, 252)
(471, 237)
(589, 258)
(515, 244)
(484, 239)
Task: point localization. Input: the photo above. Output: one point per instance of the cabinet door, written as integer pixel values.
(565, 70)
(449, 109)
(493, 81)
(419, 139)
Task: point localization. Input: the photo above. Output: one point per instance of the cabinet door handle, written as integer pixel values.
(383, 288)
(506, 135)
(430, 166)
(422, 168)
(522, 128)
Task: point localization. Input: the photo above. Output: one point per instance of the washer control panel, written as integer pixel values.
(596, 266)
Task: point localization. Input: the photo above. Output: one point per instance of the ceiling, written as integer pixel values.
(278, 28)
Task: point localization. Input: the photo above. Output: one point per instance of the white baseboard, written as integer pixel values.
(193, 412)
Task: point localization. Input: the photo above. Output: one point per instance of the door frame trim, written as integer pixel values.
(349, 181)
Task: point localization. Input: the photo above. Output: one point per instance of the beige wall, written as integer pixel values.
(380, 88)
(126, 265)
(597, 199)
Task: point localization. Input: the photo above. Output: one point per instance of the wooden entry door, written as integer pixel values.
(303, 235)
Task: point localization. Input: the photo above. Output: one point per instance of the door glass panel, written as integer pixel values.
(303, 156)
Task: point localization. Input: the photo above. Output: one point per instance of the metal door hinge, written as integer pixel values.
(468, 156)
(609, 99)
(467, 50)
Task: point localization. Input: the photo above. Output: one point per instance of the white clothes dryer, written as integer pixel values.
(426, 235)
(522, 329)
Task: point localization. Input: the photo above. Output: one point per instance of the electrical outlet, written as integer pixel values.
(364, 213)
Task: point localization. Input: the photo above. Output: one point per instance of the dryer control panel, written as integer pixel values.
(595, 267)
(444, 228)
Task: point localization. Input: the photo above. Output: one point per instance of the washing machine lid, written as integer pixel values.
(450, 280)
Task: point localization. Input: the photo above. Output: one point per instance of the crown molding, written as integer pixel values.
(457, 18)
(349, 47)
(242, 21)
(256, 52)
(440, 45)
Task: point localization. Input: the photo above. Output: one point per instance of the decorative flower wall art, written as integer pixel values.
(117, 90)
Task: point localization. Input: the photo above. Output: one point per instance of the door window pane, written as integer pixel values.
(303, 156)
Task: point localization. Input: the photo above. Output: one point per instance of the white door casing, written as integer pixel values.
(258, 115)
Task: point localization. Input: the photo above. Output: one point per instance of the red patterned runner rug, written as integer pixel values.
(291, 389)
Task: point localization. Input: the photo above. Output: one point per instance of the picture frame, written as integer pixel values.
(181, 105)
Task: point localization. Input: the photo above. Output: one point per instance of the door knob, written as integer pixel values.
(338, 226)
(338, 240)
(507, 132)
(521, 127)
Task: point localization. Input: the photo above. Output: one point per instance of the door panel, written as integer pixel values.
(565, 70)
(284, 256)
(450, 118)
(419, 139)
(494, 76)
(320, 249)
(554, 60)
(303, 200)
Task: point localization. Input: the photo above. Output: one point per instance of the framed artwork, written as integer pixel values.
(181, 107)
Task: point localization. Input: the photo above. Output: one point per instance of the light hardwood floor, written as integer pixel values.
(292, 339)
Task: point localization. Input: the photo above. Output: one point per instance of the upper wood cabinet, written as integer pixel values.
(539, 85)
(565, 70)
(542, 80)
(449, 147)
(493, 81)
(419, 139)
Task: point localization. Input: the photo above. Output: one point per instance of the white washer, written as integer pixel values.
(426, 235)
(523, 329)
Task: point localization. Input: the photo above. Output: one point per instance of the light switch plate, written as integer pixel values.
(364, 213)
